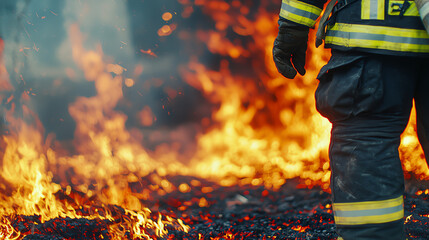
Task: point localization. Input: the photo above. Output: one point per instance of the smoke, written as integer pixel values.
(39, 59)
(36, 33)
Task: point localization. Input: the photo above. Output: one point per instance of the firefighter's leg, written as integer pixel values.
(368, 101)
(367, 183)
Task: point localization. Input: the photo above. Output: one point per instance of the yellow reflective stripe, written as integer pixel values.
(378, 37)
(402, 47)
(372, 9)
(369, 212)
(297, 18)
(391, 31)
(368, 205)
(366, 6)
(369, 219)
(394, 8)
(300, 12)
(380, 9)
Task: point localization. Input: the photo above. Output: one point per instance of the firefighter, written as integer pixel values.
(379, 65)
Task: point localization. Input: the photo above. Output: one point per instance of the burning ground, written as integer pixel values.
(215, 212)
(164, 120)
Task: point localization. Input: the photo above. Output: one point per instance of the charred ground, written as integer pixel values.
(238, 212)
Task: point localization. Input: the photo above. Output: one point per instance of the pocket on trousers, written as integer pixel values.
(350, 85)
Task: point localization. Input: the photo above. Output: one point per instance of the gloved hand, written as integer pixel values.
(290, 44)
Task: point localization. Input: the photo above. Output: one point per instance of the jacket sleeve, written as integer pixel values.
(304, 12)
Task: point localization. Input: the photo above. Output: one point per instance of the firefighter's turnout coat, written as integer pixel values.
(380, 26)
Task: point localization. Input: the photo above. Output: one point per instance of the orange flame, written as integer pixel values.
(268, 129)
(267, 141)
(27, 160)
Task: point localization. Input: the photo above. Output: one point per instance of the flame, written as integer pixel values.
(413, 159)
(27, 160)
(6, 230)
(264, 131)
(268, 129)
(260, 140)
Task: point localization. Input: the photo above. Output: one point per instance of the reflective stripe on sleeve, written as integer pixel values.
(370, 212)
(378, 37)
(300, 12)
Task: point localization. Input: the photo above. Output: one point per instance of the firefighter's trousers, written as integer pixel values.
(368, 99)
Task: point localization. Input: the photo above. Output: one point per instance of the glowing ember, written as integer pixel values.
(167, 16)
(149, 52)
(300, 228)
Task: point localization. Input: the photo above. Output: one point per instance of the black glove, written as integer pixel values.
(290, 44)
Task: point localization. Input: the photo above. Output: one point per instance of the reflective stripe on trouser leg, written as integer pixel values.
(370, 212)
(367, 184)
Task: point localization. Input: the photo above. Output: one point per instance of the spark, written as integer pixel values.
(149, 52)
(167, 16)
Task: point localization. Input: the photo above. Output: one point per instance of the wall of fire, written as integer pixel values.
(197, 85)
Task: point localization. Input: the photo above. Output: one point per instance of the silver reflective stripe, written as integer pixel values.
(373, 9)
(371, 212)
